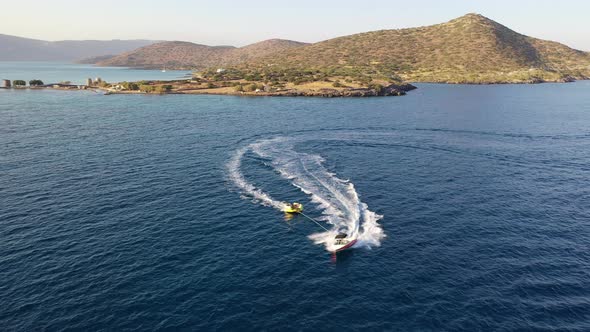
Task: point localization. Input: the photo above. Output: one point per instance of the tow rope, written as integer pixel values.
(315, 221)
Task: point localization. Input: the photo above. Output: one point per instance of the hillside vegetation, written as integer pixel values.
(185, 55)
(470, 49)
(95, 59)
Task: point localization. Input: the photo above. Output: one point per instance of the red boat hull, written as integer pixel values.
(348, 246)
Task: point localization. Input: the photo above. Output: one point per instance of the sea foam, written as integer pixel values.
(336, 198)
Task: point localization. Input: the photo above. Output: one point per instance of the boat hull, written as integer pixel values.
(347, 246)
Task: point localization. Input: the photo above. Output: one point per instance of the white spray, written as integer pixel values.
(335, 197)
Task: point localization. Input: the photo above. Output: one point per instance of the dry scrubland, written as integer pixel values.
(470, 49)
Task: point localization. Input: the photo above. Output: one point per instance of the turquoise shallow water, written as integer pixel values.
(125, 212)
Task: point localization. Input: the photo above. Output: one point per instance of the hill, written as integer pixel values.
(183, 55)
(260, 49)
(25, 49)
(173, 54)
(95, 59)
(470, 49)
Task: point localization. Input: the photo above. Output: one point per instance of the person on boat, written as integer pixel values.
(293, 207)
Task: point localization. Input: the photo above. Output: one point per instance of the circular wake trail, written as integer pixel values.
(247, 188)
(335, 197)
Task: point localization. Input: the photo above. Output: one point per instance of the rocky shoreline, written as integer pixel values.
(565, 79)
(390, 90)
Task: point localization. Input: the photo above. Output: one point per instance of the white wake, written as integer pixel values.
(336, 198)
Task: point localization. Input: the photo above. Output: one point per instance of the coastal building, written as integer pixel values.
(6, 83)
(89, 82)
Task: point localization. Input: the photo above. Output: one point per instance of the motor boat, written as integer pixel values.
(343, 242)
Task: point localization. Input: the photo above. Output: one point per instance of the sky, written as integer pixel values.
(238, 23)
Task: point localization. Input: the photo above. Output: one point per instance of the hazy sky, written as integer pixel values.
(224, 22)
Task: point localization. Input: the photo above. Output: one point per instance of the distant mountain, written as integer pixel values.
(24, 49)
(470, 49)
(183, 55)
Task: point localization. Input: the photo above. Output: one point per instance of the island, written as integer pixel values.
(471, 49)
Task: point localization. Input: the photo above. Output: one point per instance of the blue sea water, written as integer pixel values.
(135, 212)
(55, 72)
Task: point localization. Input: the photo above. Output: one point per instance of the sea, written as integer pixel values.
(470, 206)
(57, 72)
